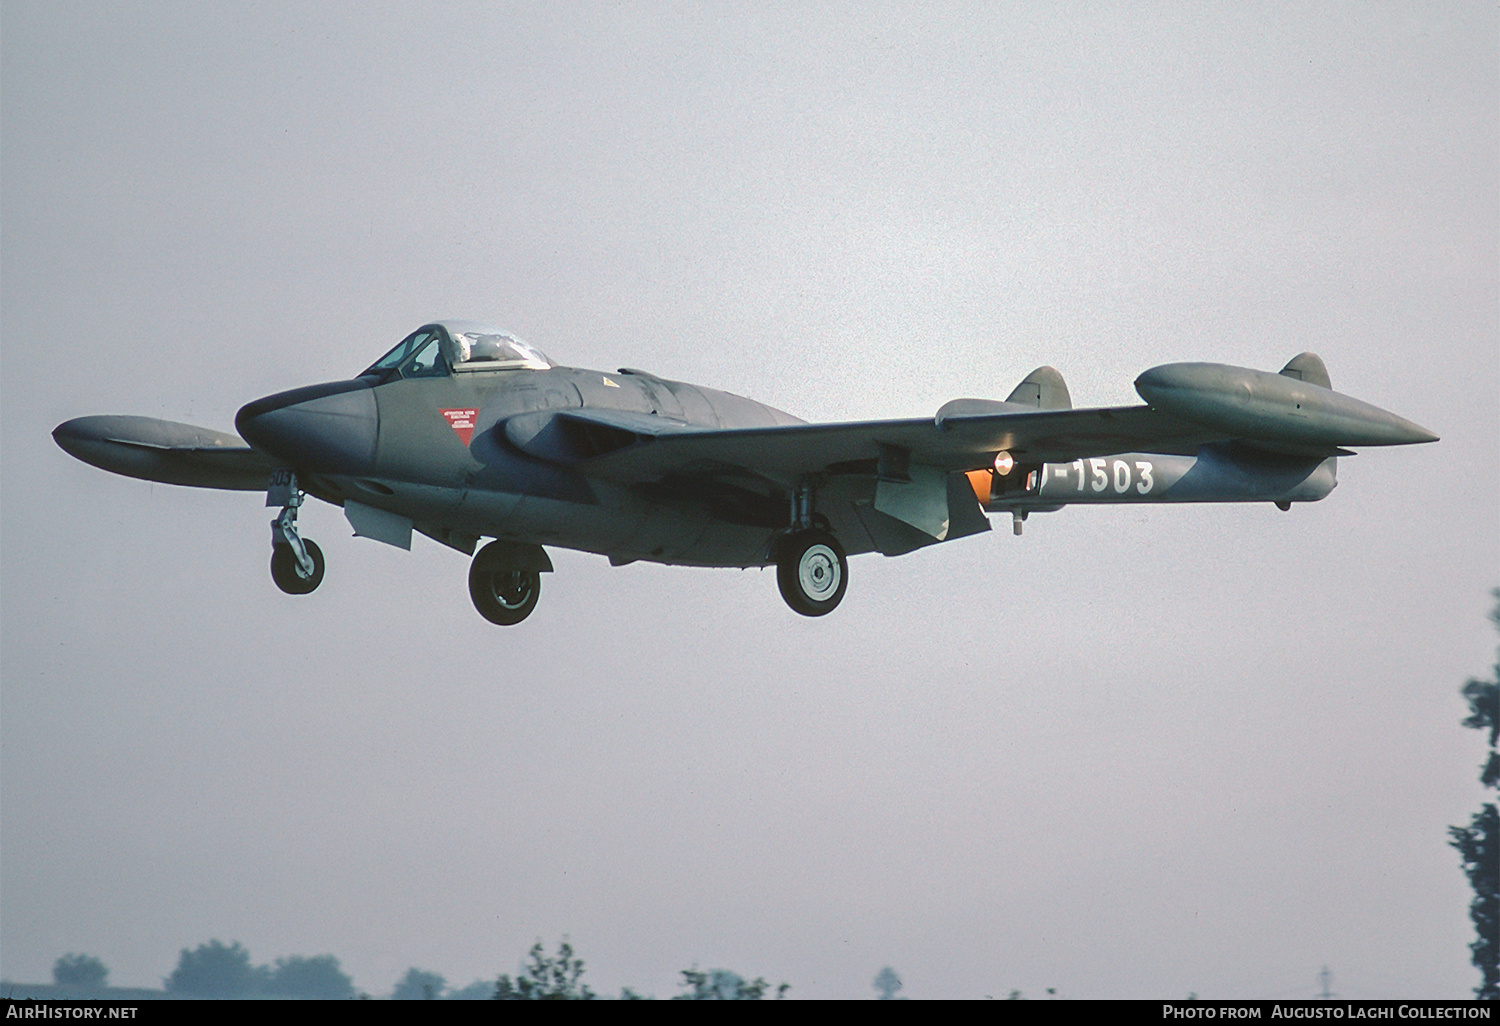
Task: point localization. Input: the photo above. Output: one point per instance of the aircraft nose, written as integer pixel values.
(328, 428)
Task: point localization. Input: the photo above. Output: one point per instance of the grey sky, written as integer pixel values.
(1138, 752)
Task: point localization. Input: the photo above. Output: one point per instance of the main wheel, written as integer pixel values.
(503, 595)
(287, 573)
(812, 572)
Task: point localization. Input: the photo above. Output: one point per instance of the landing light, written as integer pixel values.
(1004, 463)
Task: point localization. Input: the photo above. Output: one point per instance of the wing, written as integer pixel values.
(1293, 413)
(161, 450)
(630, 448)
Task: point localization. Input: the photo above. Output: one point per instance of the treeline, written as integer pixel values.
(219, 970)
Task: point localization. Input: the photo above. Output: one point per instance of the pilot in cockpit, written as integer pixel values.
(457, 346)
(479, 348)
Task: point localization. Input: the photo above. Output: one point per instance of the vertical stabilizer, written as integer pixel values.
(1045, 389)
(1307, 367)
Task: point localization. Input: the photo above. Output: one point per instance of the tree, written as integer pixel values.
(479, 990)
(417, 985)
(724, 985)
(1478, 843)
(546, 979)
(214, 970)
(82, 971)
(316, 977)
(887, 983)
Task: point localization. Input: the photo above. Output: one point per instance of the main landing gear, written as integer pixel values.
(812, 572)
(810, 566)
(296, 562)
(505, 580)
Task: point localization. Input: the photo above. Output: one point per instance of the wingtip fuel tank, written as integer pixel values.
(165, 451)
(1277, 409)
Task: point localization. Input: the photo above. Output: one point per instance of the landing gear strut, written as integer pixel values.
(296, 562)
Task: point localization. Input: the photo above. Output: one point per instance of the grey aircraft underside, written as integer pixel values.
(464, 432)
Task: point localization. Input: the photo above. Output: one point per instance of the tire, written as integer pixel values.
(288, 575)
(812, 572)
(503, 595)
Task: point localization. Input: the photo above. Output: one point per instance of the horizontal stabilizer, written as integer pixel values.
(161, 450)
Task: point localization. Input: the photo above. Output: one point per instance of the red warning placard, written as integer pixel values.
(461, 421)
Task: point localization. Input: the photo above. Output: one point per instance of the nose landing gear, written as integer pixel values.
(296, 562)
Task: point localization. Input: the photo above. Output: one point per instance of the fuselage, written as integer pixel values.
(431, 447)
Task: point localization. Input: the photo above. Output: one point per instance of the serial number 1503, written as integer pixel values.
(1099, 474)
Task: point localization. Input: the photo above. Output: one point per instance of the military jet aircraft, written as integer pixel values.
(464, 432)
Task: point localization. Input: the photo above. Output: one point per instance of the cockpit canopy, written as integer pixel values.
(457, 347)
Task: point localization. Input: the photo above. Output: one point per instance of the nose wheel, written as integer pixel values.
(812, 572)
(287, 572)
